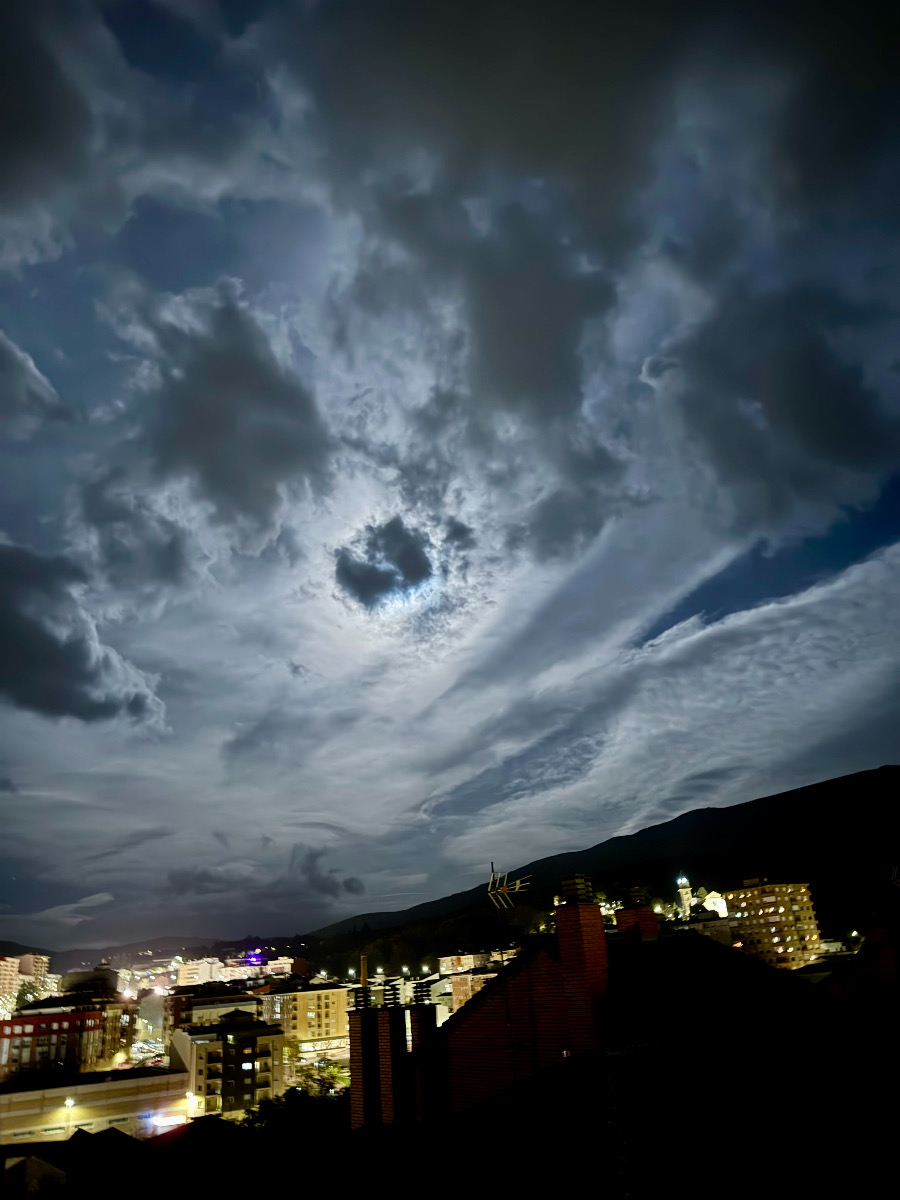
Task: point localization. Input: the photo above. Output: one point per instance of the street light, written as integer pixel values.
(351, 972)
(69, 1102)
(405, 970)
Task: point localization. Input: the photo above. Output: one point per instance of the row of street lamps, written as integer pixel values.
(426, 970)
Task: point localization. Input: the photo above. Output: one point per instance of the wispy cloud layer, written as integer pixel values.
(375, 379)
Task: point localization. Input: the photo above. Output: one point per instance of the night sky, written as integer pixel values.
(431, 432)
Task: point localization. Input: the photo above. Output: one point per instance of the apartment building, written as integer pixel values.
(232, 1065)
(35, 968)
(313, 1013)
(775, 922)
(75, 1032)
(203, 1004)
(9, 984)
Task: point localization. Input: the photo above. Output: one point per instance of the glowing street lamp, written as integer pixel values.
(405, 970)
(69, 1103)
(351, 973)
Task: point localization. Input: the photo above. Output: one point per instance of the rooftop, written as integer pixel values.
(46, 1081)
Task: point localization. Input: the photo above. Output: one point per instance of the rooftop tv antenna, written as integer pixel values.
(501, 891)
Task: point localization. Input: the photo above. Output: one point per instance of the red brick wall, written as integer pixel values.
(638, 921)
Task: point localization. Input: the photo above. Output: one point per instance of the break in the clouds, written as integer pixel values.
(431, 433)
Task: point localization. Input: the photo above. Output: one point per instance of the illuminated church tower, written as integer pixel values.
(684, 897)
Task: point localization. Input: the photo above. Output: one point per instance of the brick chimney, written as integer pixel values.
(637, 918)
(583, 957)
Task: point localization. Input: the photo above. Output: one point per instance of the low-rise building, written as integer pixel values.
(200, 970)
(141, 1102)
(279, 966)
(232, 1065)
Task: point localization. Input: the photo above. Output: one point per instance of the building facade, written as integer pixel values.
(315, 1014)
(203, 1004)
(451, 963)
(774, 922)
(9, 984)
(465, 984)
(141, 1102)
(200, 970)
(67, 1039)
(232, 1065)
(35, 968)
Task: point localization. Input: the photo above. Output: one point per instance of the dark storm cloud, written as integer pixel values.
(7, 785)
(45, 121)
(776, 403)
(390, 559)
(527, 310)
(459, 534)
(51, 660)
(302, 878)
(548, 92)
(89, 122)
(549, 116)
(133, 543)
(231, 418)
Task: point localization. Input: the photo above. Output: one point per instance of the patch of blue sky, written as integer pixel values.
(762, 575)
